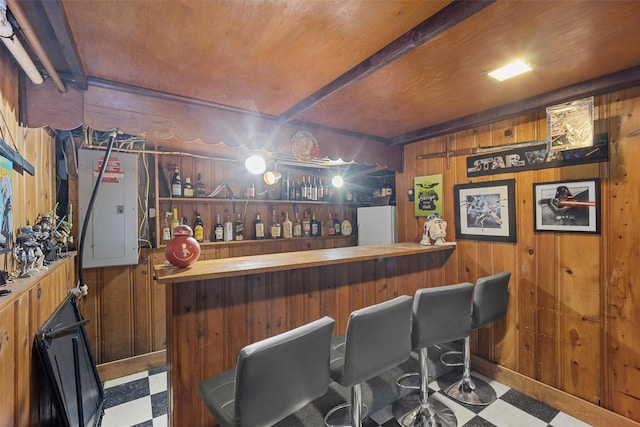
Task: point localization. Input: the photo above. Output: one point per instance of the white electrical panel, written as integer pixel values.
(112, 230)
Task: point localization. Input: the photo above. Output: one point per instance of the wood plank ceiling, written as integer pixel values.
(395, 71)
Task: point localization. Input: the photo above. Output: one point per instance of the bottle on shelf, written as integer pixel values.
(250, 192)
(298, 191)
(228, 230)
(276, 229)
(320, 190)
(259, 227)
(166, 231)
(176, 184)
(187, 188)
(337, 225)
(316, 227)
(164, 190)
(239, 228)
(331, 227)
(306, 224)
(292, 189)
(198, 228)
(314, 190)
(218, 231)
(285, 187)
(200, 189)
(303, 189)
(174, 221)
(287, 227)
(297, 226)
(309, 196)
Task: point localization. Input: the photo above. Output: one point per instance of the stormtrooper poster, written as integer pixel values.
(428, 195)
(6, 217)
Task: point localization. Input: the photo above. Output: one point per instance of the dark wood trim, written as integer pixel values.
(132, 365)
(60, 25)
(609, 83)
(449, 16)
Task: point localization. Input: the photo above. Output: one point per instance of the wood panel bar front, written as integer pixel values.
(216, 307)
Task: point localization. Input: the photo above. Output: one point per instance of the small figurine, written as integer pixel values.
(435, 228)
(24, 251)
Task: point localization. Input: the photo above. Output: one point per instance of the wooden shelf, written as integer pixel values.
(261, 201)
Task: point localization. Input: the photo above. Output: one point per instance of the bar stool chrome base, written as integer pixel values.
(471, 390)
(348, 416)
(435, 414)
(402, 381)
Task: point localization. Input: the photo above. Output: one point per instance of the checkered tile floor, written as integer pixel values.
(141, 400)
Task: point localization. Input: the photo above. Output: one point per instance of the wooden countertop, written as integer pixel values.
(255, 264)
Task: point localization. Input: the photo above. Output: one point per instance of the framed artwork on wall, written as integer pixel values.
(486, 211)
(567, 206)
(6, 216)
(428, 195)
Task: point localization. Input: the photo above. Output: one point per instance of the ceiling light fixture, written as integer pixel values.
(255, 165)
(15, 47)
(513, 69)
(337, 181)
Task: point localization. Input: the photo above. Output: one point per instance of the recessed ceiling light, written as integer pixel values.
(510, 70)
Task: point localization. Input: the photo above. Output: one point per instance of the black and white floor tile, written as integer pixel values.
(141, 400)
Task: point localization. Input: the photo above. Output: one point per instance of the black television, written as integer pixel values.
(69, 367)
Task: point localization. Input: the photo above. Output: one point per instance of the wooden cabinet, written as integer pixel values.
(234, 179)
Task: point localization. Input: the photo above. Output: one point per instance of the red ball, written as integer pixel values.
(183, 250)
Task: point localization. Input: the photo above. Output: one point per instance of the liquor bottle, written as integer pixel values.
(187, 188)
(166, 231)
(337, 224)
(198, 228)
(306, 224)
(303, 189)
(331, 228)
(228, 230)
(298, 190)
(259, 226)
(297, 227)
(316, 227)
(309, 196)
(284, 190)
(320, 191)
(250, 193)
(174, 221)
(176, 184)
(292, 189)
(239, 228)
(164, 189)
(218, 231)
(201, 190)
(314, 190)
(287, 227)
(276, 229)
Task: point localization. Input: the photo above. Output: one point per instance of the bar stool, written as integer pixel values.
(378, 338)
(440, 315)
(490, 300)
(273, 378)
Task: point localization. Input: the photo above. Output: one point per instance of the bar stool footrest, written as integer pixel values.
(365, 414)
(450, 355)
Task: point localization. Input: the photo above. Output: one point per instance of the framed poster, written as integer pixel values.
(486, 211)
(428, 195)
(570, 125)
(572, 206)
(6, 214)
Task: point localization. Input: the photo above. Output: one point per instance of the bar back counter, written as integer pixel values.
(216, 307)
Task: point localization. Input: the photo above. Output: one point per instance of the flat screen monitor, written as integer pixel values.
(69, 367)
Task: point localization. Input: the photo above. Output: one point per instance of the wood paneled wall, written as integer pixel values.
(32, 195)
(573, 316)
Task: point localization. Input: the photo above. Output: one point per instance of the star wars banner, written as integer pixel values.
(537, 156)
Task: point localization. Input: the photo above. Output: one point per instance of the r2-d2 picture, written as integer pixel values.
(435, 228)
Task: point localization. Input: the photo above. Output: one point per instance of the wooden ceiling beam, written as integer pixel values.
(60, 24)
(610, 83)
(447, 17)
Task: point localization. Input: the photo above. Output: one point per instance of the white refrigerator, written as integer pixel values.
(377, 225)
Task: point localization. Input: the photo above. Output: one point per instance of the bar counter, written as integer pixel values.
(216, 307)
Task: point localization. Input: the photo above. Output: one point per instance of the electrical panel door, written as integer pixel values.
(112, 230)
